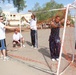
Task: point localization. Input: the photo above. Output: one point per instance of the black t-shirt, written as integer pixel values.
(55, 31)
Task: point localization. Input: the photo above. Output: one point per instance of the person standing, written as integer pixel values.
(2, 38)
(54, 39)
(33, 29)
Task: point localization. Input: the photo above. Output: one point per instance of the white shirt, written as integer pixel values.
(33, 24)
(17, 36)
(2, 31)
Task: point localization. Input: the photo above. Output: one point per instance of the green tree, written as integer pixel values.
(36, 7)
(43, 12)
(19, 4)
(0, 10)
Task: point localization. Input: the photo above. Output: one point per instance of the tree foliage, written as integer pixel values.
(19, 4)
(45, 14)
(0, 10)
(37, 7)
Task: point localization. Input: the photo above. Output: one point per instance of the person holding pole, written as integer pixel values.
(33, 27)
(54, 39)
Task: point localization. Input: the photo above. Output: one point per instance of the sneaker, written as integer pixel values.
(31, 46)
(23, 45)
(5, 58)
(1, 57)
(35, 47)
(57, 59)
(53, 59)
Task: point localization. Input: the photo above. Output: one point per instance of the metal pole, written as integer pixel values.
(62, 40)
(20, 23)
(73, 6)
(50, 10)
(75, 37)
(20, 29)
(75, 30)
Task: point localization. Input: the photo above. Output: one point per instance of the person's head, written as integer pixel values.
(33, 16)
(16, 30)
(57, 19)
(1, 19)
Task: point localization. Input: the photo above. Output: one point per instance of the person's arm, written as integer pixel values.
(53, 25)
(8, 27)
(62, 22)
(61, 26)
(26, 20)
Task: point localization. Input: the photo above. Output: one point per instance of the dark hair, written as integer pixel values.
(1, 16)
(57, 16)
(17, 29)
(34, 16)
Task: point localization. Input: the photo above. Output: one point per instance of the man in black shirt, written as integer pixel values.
(54, 40)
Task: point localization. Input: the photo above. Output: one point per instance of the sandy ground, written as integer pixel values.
(37, 61)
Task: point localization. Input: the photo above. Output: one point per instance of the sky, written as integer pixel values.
(30, 4)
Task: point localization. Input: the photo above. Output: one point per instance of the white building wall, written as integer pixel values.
(13, 23)
(14, 18)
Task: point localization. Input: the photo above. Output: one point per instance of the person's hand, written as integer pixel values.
(18, 42)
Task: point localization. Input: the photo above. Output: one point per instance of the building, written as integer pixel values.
(15, 18)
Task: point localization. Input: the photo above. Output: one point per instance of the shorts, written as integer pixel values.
(16, 43)
(2, 44)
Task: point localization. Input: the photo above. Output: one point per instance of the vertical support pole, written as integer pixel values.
(20, 29)
(75, 30)
(62, 40)
(75, 37)
(20, 23)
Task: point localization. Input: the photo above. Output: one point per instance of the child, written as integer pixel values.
(18, 39)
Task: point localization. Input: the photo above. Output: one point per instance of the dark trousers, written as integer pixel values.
(54, 45)
(16, 43)
(34, 38)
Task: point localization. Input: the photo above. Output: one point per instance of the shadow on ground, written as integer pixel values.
(29, 43)
(45, 52)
